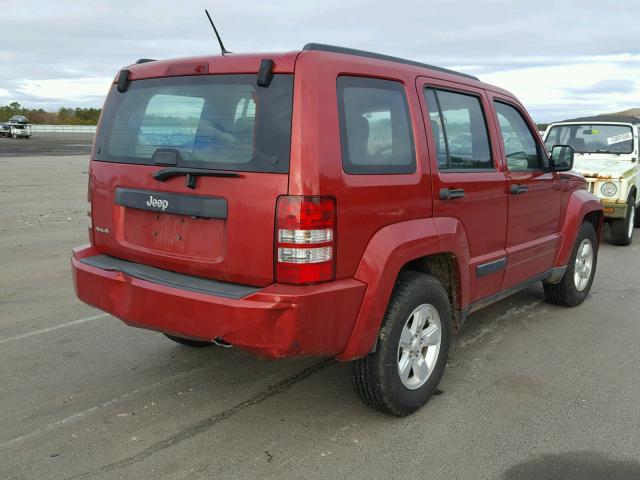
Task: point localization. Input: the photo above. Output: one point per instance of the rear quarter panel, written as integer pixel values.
(365, 203)
(391, 248)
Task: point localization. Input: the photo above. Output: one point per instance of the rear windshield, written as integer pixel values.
(222, 122)
(592, 138)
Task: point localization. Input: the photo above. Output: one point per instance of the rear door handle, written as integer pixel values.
(451, 193)
(518, 188)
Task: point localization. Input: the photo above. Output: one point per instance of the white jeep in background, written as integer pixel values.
(607, 153)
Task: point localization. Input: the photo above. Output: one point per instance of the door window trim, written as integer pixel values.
(468, 93)
(347, 166)
(536, 138)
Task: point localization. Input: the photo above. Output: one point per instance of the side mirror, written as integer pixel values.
(561, 158)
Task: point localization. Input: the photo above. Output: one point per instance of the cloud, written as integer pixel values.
(598, 84)
(80, 89)
(541, 51)
(606, 87)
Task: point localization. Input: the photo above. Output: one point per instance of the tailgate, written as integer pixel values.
(222, 147)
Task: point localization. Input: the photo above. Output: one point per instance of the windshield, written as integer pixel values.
(222, 122)
(592, 138)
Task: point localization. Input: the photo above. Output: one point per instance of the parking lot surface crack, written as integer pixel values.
(207, 423)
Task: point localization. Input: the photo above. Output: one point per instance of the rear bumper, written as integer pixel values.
(275, 321)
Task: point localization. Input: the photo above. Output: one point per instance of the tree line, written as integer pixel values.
(64, 116)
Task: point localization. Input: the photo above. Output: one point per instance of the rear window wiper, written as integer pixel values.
(192, 174)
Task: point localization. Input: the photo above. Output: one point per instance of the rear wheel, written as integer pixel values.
(412, 348)
(622, 228)
(188, 342)
(578, 278)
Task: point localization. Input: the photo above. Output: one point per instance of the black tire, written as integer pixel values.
(376, 377)
(566, 292)
(622, 228)
(188, 342)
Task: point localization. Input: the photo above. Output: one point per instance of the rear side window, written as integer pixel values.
(520, 146)
(222, 122)
(459, 129)
(375, 129)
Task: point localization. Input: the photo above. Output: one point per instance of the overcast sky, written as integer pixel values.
(562, 58)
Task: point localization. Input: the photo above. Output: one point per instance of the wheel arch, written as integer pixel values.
(414, 245)
(596, 218)
(582, 206)
(445, 268)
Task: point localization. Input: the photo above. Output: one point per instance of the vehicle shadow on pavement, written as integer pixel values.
(581, 465)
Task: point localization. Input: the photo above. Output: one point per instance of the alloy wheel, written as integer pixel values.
(419, 346)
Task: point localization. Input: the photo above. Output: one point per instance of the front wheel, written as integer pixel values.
(622, 228)
(412, 348)
(578, 278)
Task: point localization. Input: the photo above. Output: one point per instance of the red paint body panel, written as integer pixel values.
(383, 222)
(533, 233)
(236, 63)
(278, 321)
(480, 217)
(365, 203)
(579, 203)
(389, 249)
(237, 249)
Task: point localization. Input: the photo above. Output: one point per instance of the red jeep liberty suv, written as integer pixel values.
(326, 202)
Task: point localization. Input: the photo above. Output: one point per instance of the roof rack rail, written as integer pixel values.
(145, 60)
(363, 53)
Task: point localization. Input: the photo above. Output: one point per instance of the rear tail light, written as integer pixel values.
(89, 212)
(305, 240)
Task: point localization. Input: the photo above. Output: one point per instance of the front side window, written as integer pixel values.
(459, 129)
(592, 138)
(375, 128)
(520, 147)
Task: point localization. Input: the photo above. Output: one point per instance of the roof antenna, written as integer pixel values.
(224, 50)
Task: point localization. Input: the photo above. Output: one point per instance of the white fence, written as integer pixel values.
(63, 128)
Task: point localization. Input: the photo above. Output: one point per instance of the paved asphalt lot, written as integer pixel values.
(532, 391)
(47, 144)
